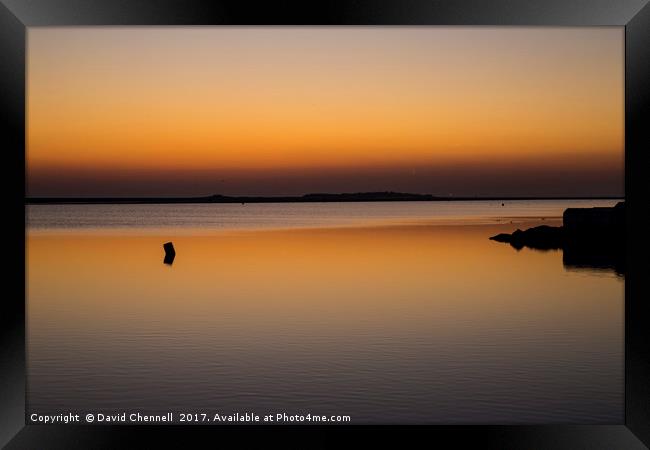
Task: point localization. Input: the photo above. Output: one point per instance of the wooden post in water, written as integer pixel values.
(170, 253)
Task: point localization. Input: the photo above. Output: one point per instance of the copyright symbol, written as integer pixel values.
(90, 418)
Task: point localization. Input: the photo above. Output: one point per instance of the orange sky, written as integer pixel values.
(288, 110)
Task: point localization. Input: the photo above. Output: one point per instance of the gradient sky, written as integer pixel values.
(173, 111)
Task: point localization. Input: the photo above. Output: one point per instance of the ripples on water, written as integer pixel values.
(211, 217)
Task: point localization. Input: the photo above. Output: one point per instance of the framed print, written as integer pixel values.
(300, 221)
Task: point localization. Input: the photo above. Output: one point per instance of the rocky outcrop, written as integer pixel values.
(606, 222)
(542, 237)
(588, 237)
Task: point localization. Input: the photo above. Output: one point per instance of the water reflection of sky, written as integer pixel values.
(399, 324)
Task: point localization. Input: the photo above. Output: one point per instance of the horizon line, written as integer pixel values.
(375, 196)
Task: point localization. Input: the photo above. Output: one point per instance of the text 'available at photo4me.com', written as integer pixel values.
(216, 418)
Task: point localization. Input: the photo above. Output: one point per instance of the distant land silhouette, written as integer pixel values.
(319, 197)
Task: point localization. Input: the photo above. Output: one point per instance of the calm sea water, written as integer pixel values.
(211, 217)
(386, 312)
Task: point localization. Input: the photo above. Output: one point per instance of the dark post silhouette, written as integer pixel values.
(170, 253)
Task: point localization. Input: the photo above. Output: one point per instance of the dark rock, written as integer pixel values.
(592, 221)
(543, 237)
(503, 237)
(589, 238)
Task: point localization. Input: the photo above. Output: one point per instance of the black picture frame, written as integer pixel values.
(17, 15)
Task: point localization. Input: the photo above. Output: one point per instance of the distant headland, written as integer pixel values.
(307, 198)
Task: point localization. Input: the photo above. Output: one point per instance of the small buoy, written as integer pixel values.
(170, 253)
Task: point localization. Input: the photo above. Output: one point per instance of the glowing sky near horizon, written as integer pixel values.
(120, 111)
